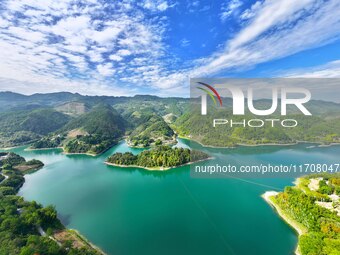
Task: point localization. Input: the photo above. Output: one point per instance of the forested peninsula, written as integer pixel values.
(312, 208)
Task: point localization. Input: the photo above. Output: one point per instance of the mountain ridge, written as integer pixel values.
(147, 120)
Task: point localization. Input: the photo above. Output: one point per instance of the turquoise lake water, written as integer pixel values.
(132, 211)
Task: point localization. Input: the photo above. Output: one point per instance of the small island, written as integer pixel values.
(159, 158)
(16, 162)
(312, 208)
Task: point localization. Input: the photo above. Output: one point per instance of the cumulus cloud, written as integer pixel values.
(81, 41)
(155, 5)
(115, 57)
(106, 69)
(93, 44)
(124, 52)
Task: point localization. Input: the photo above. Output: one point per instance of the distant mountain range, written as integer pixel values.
(10, 100)
(92, 124)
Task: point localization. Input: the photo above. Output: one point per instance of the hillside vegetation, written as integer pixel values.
(316, 211)
(86, 124)
(98, 130)
(73, 108)
(23, 224)
(317, 129)
(150, 129)
(159, 157)
(21, 127)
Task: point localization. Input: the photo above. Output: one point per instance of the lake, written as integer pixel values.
(132, 211)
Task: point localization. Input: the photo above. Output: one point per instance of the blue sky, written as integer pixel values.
(102, 47)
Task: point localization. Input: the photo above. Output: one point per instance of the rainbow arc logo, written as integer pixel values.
(211, 92)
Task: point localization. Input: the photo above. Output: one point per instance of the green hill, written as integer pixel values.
(22, 127)
(316, 128)
(73, 108)
(93, 123)
(101, 120)
(91, 133)
(150, 129)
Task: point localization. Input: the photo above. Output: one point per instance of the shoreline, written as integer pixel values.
(156, 168)
(292, 223)
(43, 149)
(63, 151)
(79, 235)
(317, 144)
(87, 241)
(33, 170)
(13, 147)
(74, 153)
(79, 153)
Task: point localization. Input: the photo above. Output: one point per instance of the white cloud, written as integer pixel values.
(115, 58)
(156, 5)
(71, 26)
(26, 34)
(316, 29)
(124, 52)
(55, 85)
(106, 69)
(59, 39)
(163, 6)
(3, 23)
(272, 13)
(108, 34)
(185, 42)
(291, 31)
(329, 70)
(250, 13)
(229, 8)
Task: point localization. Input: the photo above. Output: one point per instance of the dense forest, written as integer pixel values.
(85, 124)
(101, 127)
(12, 161)
(152, 130)
(322, 225)
(22, 223)
(161, 156)
(51, 141)
(25, 126)
(93, 132)
(200, 128)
